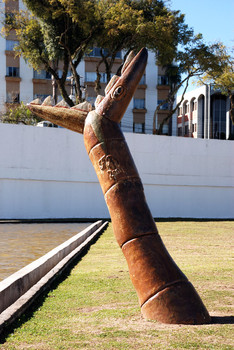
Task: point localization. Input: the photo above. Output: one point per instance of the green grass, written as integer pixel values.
(96, 306)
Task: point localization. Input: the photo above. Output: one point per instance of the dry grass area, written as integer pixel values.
(96, 307)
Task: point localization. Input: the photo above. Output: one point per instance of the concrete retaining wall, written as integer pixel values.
(20, 289)
(46, 173)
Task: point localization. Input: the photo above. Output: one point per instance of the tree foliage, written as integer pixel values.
(130, 25)
(48, 35)
(19, 115)
(195, 60)
(64, 30)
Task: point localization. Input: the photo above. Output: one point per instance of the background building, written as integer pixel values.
(204, 113)
(19, 82)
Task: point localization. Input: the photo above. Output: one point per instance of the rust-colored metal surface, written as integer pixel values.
(164, 292)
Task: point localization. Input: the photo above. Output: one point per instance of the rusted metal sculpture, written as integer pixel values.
(164, 292)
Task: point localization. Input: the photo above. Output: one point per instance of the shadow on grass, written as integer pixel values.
(222, 320)
(59, 278)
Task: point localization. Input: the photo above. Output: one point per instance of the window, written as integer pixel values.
(186, 108)
(92, 76)
(165, 129)
(12, 71)
(96, 52)
(139, 103)
(163, 80)
(69, 74)
(164, 106)
(194, 106)
(10, 44)
(42, 74)
(119, 54)
(179, 131)
(194, 127)
(12, 97)
(9, 18)
(219, 117)
(139, 128)
(186, 130)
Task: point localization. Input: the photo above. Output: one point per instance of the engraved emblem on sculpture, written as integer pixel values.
(111, 165)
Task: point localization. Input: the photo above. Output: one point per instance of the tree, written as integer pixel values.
(48, 34)
(130, 25)
(193, 61)
(63, 30)
(120, 21)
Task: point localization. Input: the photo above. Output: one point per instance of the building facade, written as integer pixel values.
(19, 82)
(204, 113)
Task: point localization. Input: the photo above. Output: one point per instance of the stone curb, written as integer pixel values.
(18, 291)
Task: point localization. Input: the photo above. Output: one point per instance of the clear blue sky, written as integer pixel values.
(213, 18)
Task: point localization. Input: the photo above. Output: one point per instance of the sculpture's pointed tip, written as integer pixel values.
(122, 88)
(143, 53)
(61, 114)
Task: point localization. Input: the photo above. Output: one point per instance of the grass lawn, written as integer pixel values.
(96, 307)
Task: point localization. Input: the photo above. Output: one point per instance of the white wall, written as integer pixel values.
(46, 173)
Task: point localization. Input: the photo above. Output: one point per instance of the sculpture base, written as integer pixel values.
(177, 304)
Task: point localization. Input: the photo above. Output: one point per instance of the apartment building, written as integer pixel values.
(204, 113)
(19, 83)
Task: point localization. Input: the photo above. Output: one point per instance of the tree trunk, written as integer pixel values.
(65, 94)
(54, 90)
(76, 77)
(98, 87)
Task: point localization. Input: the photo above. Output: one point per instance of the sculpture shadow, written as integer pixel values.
(222, 320)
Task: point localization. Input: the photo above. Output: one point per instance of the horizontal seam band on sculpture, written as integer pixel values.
(91, 149)
(140, 236)
(163, 288)
(122, 181)
(103, 142)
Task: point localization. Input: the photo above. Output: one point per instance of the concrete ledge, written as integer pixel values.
(18, 291)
